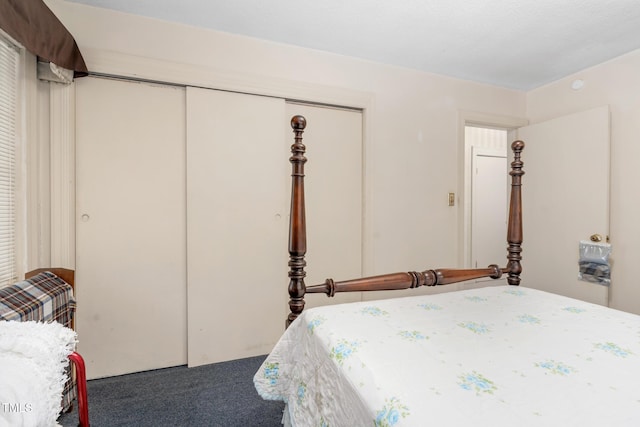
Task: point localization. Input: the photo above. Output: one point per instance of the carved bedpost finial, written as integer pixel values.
(514, 233)
(298, 123)
(297, 223)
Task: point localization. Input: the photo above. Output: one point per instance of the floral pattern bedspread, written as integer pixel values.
(496, 356)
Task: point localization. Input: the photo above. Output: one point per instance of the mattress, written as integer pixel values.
(495, 356)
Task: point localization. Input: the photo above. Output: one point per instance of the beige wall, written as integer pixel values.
(413, 153)
(616, 83)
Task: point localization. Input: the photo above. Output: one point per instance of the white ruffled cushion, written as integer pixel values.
(33, 357)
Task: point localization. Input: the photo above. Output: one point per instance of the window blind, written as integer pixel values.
(9, 62)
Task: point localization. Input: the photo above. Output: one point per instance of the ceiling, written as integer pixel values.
(518, 44)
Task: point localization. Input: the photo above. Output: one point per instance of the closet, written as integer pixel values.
(182, 209)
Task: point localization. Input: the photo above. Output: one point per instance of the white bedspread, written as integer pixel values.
(497, 356)
(32, 360)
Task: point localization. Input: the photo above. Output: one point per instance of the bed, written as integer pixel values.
(37, 341)
(495, 356)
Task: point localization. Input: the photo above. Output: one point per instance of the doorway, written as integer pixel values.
(486, 173)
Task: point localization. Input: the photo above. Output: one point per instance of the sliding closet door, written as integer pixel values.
(131, 231)
(238, 185)
(333, 192)
(237, 213)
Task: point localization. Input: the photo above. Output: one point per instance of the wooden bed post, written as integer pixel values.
(297, 223)
(514, 233)
(395, 281)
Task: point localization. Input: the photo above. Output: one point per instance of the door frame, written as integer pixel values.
(465, 118)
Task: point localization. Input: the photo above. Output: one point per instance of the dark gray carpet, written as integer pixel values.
(221, 394)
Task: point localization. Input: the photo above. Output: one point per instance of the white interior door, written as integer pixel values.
(131, 231)
(565, 197)
(489, 207)
(236, 224)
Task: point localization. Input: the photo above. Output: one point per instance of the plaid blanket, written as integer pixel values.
(43, 298)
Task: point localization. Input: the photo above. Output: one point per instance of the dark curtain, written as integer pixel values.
(33, 24)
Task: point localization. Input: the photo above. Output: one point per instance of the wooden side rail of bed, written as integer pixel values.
(395, 281)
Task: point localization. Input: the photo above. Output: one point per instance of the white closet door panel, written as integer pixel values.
(333, 193)
(131, 230)
(236, 227)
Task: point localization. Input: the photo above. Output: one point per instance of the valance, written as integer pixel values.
(33, 24)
